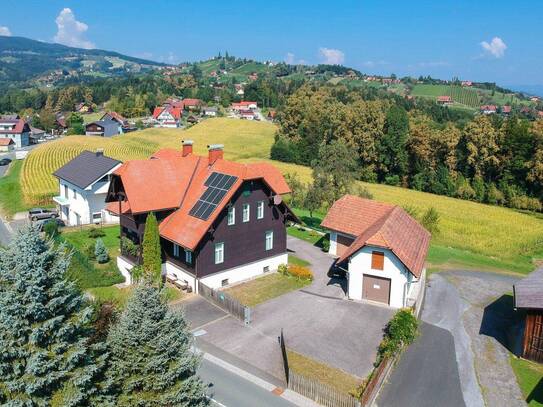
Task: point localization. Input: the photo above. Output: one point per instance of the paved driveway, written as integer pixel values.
(472, 309)
(317, 321)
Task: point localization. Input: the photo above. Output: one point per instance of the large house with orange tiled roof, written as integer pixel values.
(17, 130)
(220, 222)
(381, 247)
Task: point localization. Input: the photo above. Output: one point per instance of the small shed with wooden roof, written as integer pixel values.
(528, 294)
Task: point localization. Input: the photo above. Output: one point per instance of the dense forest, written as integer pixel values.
(484, 158)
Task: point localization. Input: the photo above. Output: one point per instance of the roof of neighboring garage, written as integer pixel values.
(86, 168)
(529, 291)
(380, 224)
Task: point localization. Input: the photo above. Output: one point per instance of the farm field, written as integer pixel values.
(470, 97)
(506, 238)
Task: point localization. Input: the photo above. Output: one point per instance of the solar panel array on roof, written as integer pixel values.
(217, 186)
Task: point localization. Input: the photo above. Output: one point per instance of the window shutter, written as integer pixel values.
(377, 260)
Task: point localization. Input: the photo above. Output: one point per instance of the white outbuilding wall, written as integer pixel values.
(401, 280)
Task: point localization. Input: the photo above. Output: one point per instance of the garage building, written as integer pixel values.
(381, 247)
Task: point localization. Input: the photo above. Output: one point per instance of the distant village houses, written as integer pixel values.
(17, 130)
(444, 100)
(489, 109)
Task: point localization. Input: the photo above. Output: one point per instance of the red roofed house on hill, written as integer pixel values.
(381, 247)
(489, 109)
(444, 100)
(220, 222)
(192, 104)
(167, 116)
(244, 105)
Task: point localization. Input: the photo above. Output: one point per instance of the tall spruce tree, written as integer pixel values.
(151, 359)
(152, 255)
(46, 357)
(393, 156)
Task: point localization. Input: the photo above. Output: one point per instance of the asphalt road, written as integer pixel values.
(230, 390)
(427, 374)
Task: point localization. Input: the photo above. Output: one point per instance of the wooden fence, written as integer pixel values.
(312, 389)
(376, 381)
(226, 302)
(319, 392)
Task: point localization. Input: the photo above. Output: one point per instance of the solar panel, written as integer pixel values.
(218, 186)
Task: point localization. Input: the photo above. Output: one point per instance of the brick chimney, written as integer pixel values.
(215, 152)
(187, 147)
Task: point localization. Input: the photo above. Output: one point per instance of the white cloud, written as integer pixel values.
(496, 47)
(332, 56)
(5, 31)
(289, 59)
(70, 31)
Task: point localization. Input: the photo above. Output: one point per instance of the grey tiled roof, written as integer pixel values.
(86, 168)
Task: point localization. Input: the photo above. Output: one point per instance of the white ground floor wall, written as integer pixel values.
(230, 276)
(402, 282)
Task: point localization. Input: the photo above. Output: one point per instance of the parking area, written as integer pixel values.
(317, 321)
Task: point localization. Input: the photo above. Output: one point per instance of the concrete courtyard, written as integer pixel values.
(318, 321)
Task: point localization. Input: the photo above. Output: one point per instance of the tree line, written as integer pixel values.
(485, 158)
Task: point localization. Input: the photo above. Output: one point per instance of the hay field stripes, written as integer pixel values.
(488, 230)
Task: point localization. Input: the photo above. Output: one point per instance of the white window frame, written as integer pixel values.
(246, 211)
(260, 210)
(176, 250)
(188, 257)
(231, 216)
(219, 253)
(268, 237)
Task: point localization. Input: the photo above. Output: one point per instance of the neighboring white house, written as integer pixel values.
(381, 247)
(16, 129)
(244, 105)
(83, 185)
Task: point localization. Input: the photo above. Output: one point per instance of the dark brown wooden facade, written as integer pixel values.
(532, 346)
(244, 242)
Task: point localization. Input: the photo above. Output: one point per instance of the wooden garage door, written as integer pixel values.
(376, 289)
(343, 242)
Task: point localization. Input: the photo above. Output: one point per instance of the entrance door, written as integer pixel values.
(376, 289)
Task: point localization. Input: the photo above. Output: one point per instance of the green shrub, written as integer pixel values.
(129, 246)
(51, 228)
(88, 250)
(100, 251)
(325, 245)
(282, 269)
(95, 233)
(401, 331)
(430, 220)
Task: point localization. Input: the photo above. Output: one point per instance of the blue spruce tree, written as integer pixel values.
(151, 359)
(46, 358)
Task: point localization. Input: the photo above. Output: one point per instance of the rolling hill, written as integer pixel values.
(31, 62)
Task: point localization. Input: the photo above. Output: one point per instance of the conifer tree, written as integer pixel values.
(152, 257)
(100, 252)
(151, 359)
(46, 357)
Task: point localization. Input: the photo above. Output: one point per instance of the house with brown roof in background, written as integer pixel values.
(444, 100)
(220, 222)
(381, 247)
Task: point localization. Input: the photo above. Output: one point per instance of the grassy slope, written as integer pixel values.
(10, 189)
(530, 379)
(506, 237)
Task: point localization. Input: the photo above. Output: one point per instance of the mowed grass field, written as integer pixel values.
(508, 238)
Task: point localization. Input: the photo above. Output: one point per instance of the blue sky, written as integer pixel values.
(499, 41)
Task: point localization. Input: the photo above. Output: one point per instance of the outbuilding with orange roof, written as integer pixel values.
(381, 247)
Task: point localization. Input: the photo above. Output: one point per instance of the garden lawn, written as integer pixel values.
(296, 261)
(86, 272)
(530, 379)
(265, 288)
(119, 296)
(312, 369)
(11, 196)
